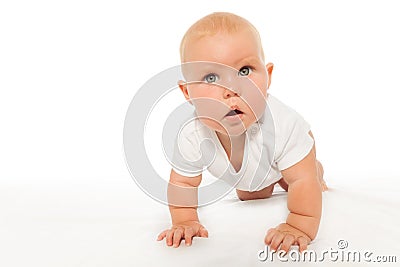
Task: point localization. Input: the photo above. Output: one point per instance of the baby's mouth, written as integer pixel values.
(233, 112)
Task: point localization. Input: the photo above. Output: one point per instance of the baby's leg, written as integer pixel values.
(283, 184)
(263, 193)
(267, 192)
(320, 175)
(320, 169)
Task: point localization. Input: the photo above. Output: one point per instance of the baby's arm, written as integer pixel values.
(304, 204)
(182, 199)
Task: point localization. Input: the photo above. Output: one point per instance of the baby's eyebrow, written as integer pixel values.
(247, 61)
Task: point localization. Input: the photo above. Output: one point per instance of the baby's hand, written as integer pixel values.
(185, 230)
(286, 236)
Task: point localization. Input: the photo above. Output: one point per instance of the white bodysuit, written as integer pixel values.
(277, 141)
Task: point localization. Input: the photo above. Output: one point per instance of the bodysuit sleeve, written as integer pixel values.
(296, 144)
(186, 159)
(293, 140)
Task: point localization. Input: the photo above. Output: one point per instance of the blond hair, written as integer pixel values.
(214, 23)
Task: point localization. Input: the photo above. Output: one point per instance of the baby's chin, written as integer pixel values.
(231, 130)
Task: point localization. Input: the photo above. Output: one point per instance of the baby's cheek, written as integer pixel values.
(260, 79)
(202, 90)
(262, 86)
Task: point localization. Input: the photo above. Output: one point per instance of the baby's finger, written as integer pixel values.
(287, 242)
(203, 232)
(277, 240)
(162, 235)
(270, 234)
(170, 235)
(303, 242)
(178, 237)
(189, 233)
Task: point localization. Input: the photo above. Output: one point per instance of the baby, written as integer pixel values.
(227, 107)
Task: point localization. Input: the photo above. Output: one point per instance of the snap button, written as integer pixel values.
(253, 130)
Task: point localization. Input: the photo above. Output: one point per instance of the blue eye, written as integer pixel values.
(245, 71)
(211, 78)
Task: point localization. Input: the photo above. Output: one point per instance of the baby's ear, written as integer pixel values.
(183, 86)
(270, 68)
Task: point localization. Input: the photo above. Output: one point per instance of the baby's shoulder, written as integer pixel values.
(285, 118)
(279, 109)
(192, 127)
(282, 114)
(193, 132)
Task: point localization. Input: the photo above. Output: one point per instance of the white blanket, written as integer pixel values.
(113, 223)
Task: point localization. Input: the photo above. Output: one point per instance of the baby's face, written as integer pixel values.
(228, 85)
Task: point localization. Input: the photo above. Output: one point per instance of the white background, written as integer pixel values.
(68, 71)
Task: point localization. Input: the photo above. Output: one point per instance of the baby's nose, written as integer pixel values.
(229, 93)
